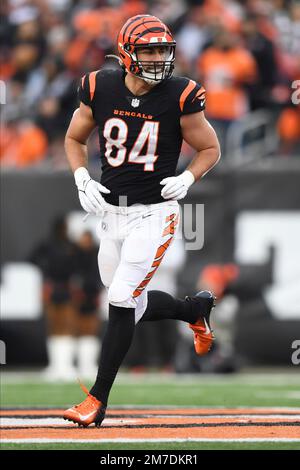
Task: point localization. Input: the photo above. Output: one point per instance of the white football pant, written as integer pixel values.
(133, 242)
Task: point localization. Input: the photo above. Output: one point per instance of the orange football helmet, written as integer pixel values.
(143, 31)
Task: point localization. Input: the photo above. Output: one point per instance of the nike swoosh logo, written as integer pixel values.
(86, 416)
(144, 216)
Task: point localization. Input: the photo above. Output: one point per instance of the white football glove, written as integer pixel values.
(176, 187)
(89, 192)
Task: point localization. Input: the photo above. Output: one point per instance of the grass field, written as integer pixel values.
(211, 395)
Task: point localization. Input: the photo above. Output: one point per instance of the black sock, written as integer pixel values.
(162, 306)
(116, 342)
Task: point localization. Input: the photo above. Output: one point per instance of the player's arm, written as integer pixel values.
(200, 135)
(81, 126)
(89, 191)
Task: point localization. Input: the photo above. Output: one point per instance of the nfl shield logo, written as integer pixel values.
(135, 102)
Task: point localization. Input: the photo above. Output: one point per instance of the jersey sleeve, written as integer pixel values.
(86, 89)
(192, 98)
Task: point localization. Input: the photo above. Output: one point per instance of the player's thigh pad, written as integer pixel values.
(135, 257)
(108, 260)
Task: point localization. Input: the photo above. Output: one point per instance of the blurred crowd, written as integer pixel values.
(246, 53)
(71, 297)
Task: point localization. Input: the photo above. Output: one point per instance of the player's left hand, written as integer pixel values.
(176, 187)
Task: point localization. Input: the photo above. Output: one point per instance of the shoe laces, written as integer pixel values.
(199, 329)
(204, 338)
(85, 405)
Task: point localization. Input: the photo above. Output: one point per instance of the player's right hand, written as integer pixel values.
(89, 192)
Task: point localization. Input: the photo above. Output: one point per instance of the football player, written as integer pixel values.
(142, 114)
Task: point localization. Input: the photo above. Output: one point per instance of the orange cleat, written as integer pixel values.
(87, 412)
(203, 334)
(203, 337)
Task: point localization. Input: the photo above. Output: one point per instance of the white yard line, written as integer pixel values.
(36, 422)
(43, 421)
(119, 440)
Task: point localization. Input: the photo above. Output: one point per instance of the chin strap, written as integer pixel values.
(147, 80)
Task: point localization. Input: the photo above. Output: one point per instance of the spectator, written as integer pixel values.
(86, 300)
(193, 36)
(56, 258)
(226, 69)
(289, 130)
(287, 22)
(22, 144)
(263, 52)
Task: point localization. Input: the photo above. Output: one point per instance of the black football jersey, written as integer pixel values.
(140, 136)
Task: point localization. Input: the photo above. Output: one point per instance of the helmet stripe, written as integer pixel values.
(155, 29)
(136, 18)
(142, 24)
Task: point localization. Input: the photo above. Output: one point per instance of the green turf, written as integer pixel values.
(228, 391)
(156, 446)
(186, 393)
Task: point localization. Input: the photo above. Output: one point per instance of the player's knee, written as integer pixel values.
(119, 294)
